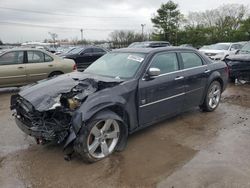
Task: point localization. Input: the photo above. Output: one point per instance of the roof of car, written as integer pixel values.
(150, 50)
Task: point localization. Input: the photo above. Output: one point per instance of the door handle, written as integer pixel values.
(50, 65)
(207, 71)
(20, 67)
(179, 78)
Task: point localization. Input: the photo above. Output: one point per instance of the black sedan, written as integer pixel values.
(239, 64)
(84, 56)
(126, 90)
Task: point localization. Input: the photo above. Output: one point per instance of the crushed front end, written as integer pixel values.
(46, 126)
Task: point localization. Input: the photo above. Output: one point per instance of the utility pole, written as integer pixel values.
(81, 34)
(142, 30)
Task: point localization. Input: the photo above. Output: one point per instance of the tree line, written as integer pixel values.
(227, 23)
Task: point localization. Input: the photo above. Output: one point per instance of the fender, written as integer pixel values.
(213, 76)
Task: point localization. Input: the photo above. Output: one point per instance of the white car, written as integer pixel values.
(220, 50)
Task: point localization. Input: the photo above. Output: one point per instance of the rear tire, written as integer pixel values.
(212, 98)
(98, 139)
(56, 73)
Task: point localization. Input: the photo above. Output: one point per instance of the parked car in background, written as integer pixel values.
(220, 50)
(61, 51)
(239, 64)
(186, 45)
(149, 44)
(84, 56)
(27, 65)
(122, 92)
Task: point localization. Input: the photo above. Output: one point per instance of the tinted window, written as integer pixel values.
(165, 62)
(47, 58)
(35, 57)
(11, 58)
(190, 60)
(98, 50)
(88, 50)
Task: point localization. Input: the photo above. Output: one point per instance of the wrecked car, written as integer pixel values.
(94, 111)
(239, 64)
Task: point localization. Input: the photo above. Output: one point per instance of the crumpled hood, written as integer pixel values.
(239, 57)
(43, 94)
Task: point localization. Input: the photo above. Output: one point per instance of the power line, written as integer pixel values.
(57, 27)
(61, 14)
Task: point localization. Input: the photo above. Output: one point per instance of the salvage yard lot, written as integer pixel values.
(194, 149)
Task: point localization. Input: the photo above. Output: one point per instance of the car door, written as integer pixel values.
(38, 65)
(195, 73)
(85, 59)
(12, 69)
(163, 95)
(97, 53)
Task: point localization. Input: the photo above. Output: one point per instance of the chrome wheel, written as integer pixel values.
(214, 96)
(103, 138)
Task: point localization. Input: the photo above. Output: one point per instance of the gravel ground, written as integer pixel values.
(195, 149)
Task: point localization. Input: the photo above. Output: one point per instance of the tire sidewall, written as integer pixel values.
(208, 108)
(81, 142)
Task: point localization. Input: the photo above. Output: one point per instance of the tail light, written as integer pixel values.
(74, 67)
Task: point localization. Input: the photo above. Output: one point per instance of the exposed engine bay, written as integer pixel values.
(49, 118)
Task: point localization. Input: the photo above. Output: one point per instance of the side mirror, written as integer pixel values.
(154, 72)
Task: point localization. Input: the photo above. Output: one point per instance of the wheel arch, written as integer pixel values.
(56, 71)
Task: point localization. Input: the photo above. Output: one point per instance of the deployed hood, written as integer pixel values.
(239, 57)
(46, 93)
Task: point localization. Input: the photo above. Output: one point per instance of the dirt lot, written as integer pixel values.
(194, 149)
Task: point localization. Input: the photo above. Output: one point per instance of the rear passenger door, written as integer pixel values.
(38, 66)
(195, 73)
(12, 69)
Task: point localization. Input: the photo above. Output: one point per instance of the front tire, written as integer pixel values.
(98, 139)
(212, 98)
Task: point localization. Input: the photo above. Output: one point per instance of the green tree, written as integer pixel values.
(166, 22)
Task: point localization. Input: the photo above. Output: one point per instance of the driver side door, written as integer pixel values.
(161, 96)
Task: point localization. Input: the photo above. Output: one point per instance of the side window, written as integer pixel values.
(47, 58)
(88, 50)
(35, 57)
(98, 50)
(11, 58)
(165, 62)
(190, 60)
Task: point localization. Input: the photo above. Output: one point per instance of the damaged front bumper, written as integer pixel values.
(34, 132)
(53, 125)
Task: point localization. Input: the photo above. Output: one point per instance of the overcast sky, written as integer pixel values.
(97, 18)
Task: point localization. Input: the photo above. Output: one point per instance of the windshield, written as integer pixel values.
(117, 65)
(246, 48)
(220, 46)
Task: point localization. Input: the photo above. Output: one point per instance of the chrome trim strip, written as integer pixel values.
(195, 90)
(162, 100)
(182, 70)
(41, 74)
(19, 76)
